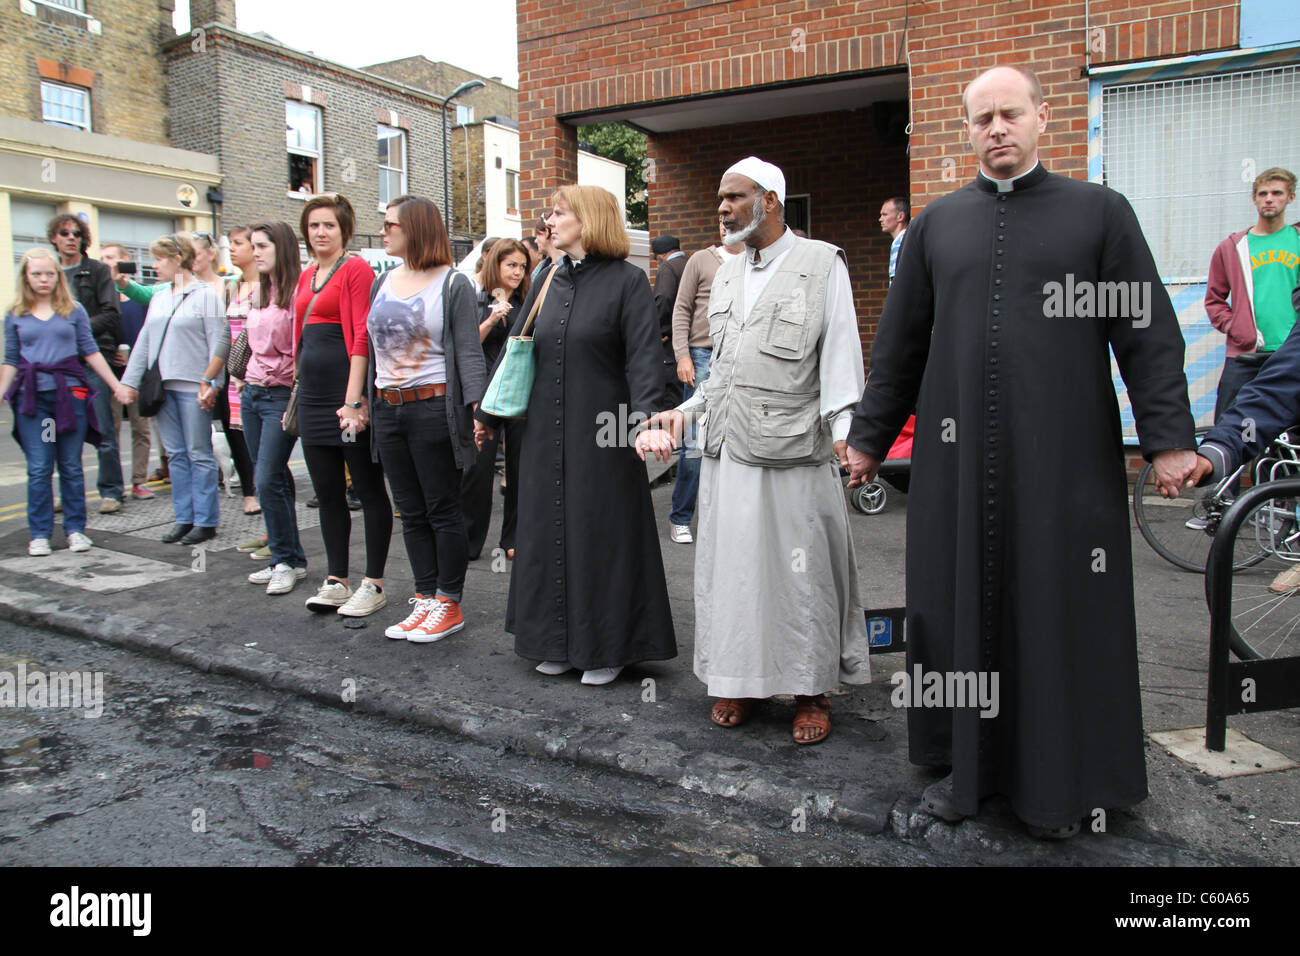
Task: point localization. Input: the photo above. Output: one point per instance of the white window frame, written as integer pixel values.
(67, 6)
(464, 115)
(401, 136)
(512, 196)
(318, 155)
(85, 93)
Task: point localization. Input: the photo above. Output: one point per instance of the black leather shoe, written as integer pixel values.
(199, 534)
(177, 532)
(937, 801)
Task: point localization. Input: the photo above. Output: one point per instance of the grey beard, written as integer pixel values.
(739, 238)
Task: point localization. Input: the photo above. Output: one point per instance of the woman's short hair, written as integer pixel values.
(427, 243)
(343, 214)
(52, 229)
(603, 231)
(490, 274)
(25, 299)
(177, 245)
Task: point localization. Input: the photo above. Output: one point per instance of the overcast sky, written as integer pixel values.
(477, 35)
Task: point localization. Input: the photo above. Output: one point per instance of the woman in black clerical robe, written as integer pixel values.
(587, 588)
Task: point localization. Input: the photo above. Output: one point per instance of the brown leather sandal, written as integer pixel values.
(812, 713)
(731, 711)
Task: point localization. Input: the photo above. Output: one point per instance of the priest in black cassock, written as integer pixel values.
(1009, 295)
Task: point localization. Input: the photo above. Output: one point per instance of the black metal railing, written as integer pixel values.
(1251, 684)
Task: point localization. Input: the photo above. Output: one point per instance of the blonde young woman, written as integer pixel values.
(46, 331)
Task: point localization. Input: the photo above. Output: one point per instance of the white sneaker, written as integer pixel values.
(39, 547)
(367, 599)
(553, 668)
(261, 577)
(79, 542)
(331, 595)
(681, 533)
(601, 675)
(284, 579)
(1196, 523)
(419, 608)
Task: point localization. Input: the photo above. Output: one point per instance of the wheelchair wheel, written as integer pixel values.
(870, 498)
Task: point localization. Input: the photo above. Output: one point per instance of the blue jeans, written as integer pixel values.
(186, 432)
(42, 446)
(110, 461)
(687, 484)
(261, 409)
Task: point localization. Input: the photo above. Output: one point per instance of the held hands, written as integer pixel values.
(482, 435)
(207, 397)
(124, 394)
(1177, 469)
(662, 435)
(862, 467)
(353, 420)
(686, 370)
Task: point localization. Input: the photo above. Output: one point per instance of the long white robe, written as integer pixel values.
(777, 609)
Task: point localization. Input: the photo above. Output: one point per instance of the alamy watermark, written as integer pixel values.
(44, 689)
(1098, 300)
(954, 689)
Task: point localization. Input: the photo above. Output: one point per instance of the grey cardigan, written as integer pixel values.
(466, 367)
(182, 343)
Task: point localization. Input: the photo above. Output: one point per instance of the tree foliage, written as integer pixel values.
(627, 146)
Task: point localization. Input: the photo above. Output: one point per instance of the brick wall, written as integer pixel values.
(832, 157)
(582, 55)
(477, 188)
(495, 99)
(229, 99)
(121, 65)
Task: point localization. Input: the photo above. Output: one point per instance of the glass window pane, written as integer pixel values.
(302, 125)
(1182, 151)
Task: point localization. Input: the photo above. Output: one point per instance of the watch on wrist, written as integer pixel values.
(352, 404)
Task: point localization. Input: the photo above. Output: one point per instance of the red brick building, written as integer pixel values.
(858, 101)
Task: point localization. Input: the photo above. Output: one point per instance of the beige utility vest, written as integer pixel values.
(763, 390)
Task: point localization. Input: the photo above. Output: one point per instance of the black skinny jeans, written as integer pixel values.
(325, 465)
(478, 490)
(415, 446)
(238, 447)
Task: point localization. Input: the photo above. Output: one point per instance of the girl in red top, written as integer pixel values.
(333, 417)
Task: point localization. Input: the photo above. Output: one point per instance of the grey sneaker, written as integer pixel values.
(331, 596)
(39, 547)
(79, 542)
(681, 533)
(367, 599)
(284, 579)
(1196, 523)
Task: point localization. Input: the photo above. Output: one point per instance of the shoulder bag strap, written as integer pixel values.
(175, 308)
(541, 297)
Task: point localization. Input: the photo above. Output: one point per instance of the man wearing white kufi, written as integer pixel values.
(776, 590)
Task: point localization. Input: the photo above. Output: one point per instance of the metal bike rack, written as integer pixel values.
(1276, 680)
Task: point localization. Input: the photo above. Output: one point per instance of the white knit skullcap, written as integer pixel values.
(768, 177)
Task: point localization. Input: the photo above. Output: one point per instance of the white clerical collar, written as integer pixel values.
(763, 257)
(1007, 185)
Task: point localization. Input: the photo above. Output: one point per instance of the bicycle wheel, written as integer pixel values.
(1265, 615)
(1164, 524)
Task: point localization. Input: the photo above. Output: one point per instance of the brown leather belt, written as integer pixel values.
(400, 396)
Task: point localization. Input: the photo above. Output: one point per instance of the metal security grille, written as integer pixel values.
(1185, 152)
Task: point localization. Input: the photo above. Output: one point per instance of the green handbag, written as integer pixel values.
(508, 392)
